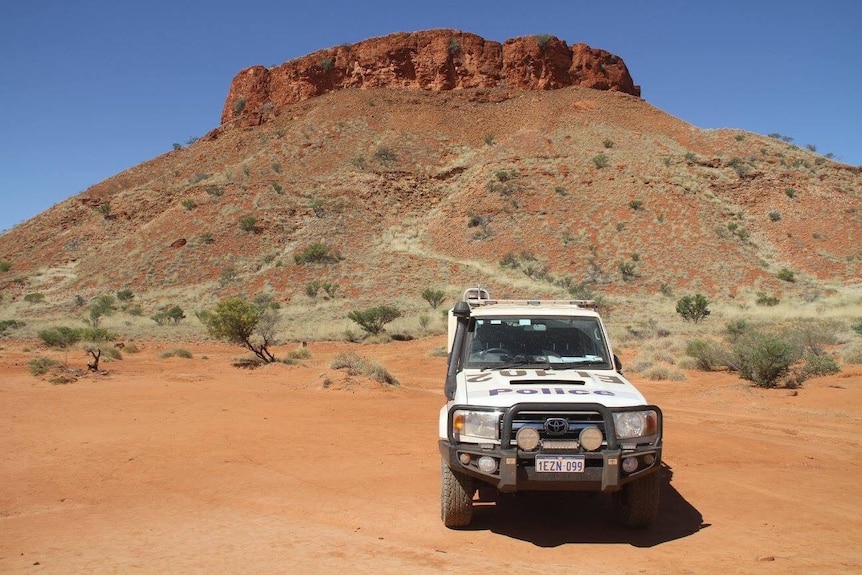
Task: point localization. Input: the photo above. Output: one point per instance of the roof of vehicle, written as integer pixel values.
(531, 308)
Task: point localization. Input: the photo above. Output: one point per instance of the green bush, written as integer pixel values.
(358, 365)
(41, 365)
(299, 353)
(434, 297)
(766, 300)
(856, 325)
(693, 308)
(169, 314)
(177, 352)
(37, 297)
(96, 334)
(238, 106)
(10, 324)
(374, 319)
(786, 275)
(5, 266)
(125, 295)
(601, 161)
(242, 322)
(316, 253)
(708, 355)
(764, 358)
(248, 223)
(385, 156)
(60, 337)
(608, 143)
(104, 305)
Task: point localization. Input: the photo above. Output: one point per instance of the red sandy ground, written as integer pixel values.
(194, 466)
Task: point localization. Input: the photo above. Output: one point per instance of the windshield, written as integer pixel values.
(549, 342)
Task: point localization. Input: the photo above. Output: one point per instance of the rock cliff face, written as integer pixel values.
(428, 60)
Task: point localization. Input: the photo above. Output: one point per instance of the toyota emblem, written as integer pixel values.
(556, 426)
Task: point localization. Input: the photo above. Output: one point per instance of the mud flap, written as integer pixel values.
(508, 473)
(611, 470)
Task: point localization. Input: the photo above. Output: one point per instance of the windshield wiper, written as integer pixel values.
(578, 362)
(507, 364)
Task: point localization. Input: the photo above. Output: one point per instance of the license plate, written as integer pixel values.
(560, 464)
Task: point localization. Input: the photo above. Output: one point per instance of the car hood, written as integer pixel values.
(502, 388)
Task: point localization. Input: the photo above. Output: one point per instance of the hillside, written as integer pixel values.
(413, 188)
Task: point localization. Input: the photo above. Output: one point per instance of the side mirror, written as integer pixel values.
(618, 365)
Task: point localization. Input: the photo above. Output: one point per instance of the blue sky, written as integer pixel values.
(90, 88)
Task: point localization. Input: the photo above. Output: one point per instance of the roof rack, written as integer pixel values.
(479, 296)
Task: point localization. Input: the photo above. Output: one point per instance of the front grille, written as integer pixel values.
(576, 421)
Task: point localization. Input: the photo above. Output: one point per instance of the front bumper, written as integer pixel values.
(516, 470)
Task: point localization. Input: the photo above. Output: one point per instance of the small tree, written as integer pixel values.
(434, 297)
(373, 320)
(103, 306)
(693, 308)
(242, 322)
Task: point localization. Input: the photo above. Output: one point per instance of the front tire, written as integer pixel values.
(456, 497)
(637, 502)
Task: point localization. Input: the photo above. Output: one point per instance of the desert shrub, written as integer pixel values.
(316, 253)
(5, 266)
(60, 337)
(326, 64)
(766, 300)
(299, 353)
(330, 288)
(96, 334)
(434, 297)
(104, 305)
(238, 106)
(189, 204)
(105, 210)
(10, 324)
(355, 364)
(177, 352)
(110, 353)
(385, 156)
(504, 183)
(125, 295)
(786, 275)
(41, 365)
(608, 143)
(454, 46)
(215, 191)
(242, 322)
(131, 348)
(708, 355)
(374, 319)
(816, 365)
(543, 40)
(763, 359)
(856, 325)
(489, 139)
(774, 216)
(248, 223)
(663, 373)
(852, 354)
(736, 329)
(169, 314)
(790, 193)
(601, 161)
(312, 288)
(690, 157)
(636, 205)
(206, 238)
(37, 297)
(693, 308)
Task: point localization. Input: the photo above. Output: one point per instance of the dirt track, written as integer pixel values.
(193, 466)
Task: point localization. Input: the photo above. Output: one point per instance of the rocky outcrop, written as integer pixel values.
(428, 60)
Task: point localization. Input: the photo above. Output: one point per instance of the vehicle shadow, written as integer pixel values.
(554, 519)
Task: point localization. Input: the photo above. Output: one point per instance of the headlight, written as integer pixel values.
(481, 424)
(630, 424)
